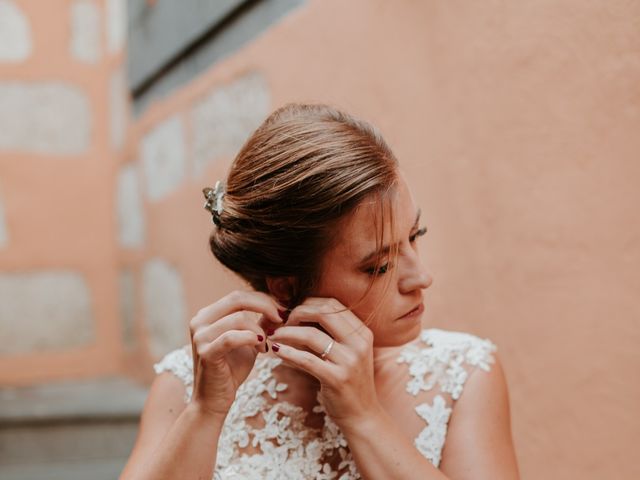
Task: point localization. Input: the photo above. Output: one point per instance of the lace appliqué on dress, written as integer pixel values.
(179, 363)
(441, 362)
(431, 439)
(289, 449)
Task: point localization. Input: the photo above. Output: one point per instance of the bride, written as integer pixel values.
(322, 370)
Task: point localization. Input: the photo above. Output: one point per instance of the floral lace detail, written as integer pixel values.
(442, 362)
(334, 440)
(431, 439)
(289, 449)
(284, 447)
(180, 364)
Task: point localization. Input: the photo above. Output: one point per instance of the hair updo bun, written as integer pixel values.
(297, 175)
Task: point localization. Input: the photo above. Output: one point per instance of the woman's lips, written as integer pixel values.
(414, 313)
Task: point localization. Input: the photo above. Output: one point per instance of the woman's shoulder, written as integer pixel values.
(475, 346)
(178, 362)
(445, 358)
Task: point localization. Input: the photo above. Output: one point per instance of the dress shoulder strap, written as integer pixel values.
(443, 358)
(179, 363)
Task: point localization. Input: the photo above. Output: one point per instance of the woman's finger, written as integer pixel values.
(267, 325)
(235, 321)
(325, 372)
(237, 301)
(330, 315)
(228, 341)
(311, 338)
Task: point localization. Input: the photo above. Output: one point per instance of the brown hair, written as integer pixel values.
(301, 172)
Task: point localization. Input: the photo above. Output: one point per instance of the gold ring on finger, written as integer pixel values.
(327, 350)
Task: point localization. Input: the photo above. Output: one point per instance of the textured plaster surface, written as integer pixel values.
(116, 24)
(4, 232)
(127, 286)
(164, 306)
(163, 153)
(44, 118)
(119, 108)
(15, 33)
(44, 311)
(86, 31)
(224, 118)
(130, 210)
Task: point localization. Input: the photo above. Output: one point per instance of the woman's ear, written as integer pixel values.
(282, 288)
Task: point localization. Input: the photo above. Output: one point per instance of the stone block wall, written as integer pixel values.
(67, 306)
(102, 229)
(64, 112)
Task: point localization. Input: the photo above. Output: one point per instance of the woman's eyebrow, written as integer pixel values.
(386, 248)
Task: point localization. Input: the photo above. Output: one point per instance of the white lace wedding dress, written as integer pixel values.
(268, 435)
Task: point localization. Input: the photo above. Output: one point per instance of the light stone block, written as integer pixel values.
(42, 311)
(85, 31)
(119, 108)
(164, 158)
(116, 17)
(4, 234)
(127, 307)
(15, 33)
(129, 208)
(164, 307)
(224, 119)
(44, 118)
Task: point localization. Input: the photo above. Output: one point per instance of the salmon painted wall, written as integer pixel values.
(517, 124)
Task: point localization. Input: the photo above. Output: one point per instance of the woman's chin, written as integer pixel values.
(402, 331)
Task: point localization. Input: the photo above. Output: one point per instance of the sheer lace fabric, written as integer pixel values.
(269, 435)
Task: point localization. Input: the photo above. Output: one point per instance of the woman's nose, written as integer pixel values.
(421, 281)
(415, 277)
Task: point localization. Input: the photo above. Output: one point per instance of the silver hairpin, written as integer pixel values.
(214, 198)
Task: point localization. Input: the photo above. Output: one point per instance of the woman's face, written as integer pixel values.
(349, 266)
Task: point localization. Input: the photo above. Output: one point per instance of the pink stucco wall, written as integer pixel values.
(517, 124)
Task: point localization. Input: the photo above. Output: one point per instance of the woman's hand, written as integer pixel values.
(226, 337)
(346, 373)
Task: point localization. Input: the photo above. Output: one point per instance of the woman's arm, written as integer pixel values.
(479, 444)
(175, 440)
(383, 452)
(479, 441)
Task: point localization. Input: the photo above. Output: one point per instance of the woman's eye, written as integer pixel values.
(419, 233)
(381, 270)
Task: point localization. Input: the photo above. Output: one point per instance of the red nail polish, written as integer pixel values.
(270, 332)
(260, 338)
(275, 347)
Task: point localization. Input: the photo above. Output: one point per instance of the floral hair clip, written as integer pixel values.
(214, 201)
